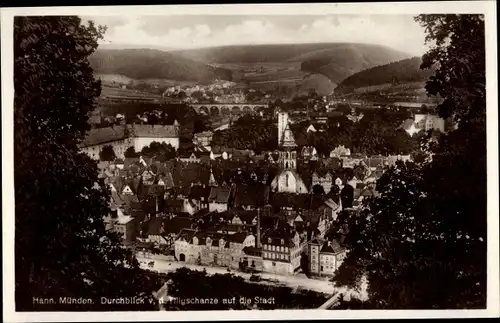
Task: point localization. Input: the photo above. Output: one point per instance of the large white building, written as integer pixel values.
(121, 137)
(423, 122)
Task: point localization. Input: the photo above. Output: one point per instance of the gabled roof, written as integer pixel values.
(238, 237)
(118, 182)
(406, 125)
(220, 194)
(186, 235)
(167, 179)
(333, 248)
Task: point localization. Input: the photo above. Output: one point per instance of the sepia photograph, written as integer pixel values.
(247, 158)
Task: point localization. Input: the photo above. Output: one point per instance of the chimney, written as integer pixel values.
(257, 243)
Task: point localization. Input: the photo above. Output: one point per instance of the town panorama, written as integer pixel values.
(250, 173)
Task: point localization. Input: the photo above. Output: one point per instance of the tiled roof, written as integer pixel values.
(120, 132)
(153, 131)
(103, 135)
(220, 194)
(333, 248)
(238, 237)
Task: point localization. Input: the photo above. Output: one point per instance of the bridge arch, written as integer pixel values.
(214, 110)
(225, 110)
(247, 109)
(235, 109)
(204, 109)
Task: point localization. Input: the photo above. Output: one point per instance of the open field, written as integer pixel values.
(127, 93)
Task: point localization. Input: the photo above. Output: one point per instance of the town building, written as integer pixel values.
(281, 251)
(325, 257)
(203, 138)
(219, 199)
(212, 248)
(119, 222)
(423, 122)
(288, 180)
(121, 137)
(325, 181)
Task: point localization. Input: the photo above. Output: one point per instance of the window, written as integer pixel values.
(321, 268)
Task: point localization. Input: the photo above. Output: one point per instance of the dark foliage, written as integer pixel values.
(61, 247)
(422, 243)
(154, 64)
(248, 132)
(107, 153)
(197, 284)
(395, 73)
(161, 151)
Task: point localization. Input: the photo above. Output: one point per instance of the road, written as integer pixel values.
(289, 281)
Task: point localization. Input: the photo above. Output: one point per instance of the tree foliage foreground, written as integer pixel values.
(422, 243)
(61, 247)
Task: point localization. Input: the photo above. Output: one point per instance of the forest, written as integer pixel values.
(395, 73)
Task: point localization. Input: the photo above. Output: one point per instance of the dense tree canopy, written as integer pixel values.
(161, 151)
(107, 153)
(422, 243)
(61, 247)
(248, 132)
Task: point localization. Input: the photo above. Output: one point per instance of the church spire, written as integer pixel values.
(211, 181)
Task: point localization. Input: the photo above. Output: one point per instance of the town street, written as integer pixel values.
(294, 282)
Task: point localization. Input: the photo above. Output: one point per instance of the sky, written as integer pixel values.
(399, 32)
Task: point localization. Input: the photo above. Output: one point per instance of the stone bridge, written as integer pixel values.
(227, 108)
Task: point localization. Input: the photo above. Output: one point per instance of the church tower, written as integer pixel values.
(286, 143)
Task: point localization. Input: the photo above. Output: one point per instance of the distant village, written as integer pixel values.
(281, 212)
